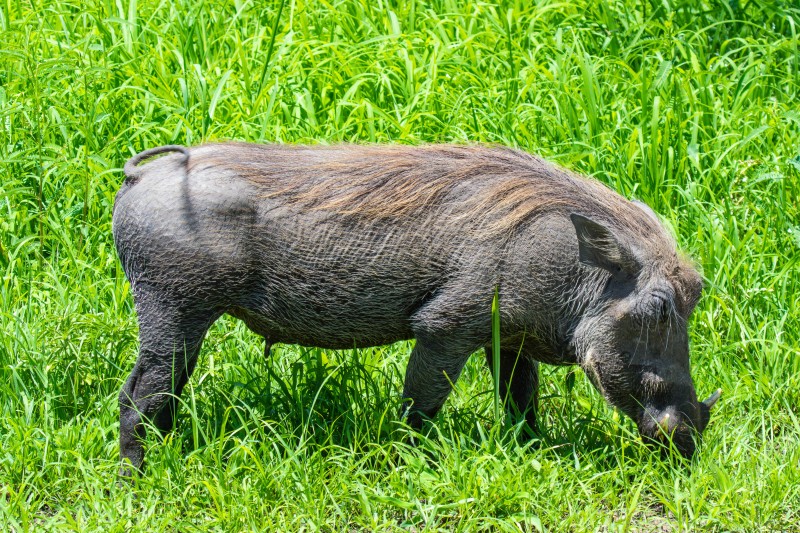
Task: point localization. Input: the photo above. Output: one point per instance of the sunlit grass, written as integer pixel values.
(689, 106)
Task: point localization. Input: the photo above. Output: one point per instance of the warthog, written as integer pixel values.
(360, 246)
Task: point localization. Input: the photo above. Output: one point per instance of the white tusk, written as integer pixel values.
(664, 423)
(712, 399)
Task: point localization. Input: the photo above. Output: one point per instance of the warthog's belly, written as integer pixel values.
(321, 332)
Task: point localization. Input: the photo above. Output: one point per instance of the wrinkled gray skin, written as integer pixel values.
(588, 278)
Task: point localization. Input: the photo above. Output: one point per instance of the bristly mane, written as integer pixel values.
(506, 187)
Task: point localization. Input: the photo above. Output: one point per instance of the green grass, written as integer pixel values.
(690, 106)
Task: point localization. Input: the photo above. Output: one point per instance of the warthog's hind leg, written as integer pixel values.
(170, 339)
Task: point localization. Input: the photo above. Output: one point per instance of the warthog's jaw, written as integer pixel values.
(588, 364)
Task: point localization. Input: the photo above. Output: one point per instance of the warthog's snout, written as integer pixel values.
(682, 425)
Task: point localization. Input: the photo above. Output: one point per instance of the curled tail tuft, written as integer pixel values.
(132, 172)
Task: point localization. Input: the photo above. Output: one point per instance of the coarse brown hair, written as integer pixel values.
(506, 187)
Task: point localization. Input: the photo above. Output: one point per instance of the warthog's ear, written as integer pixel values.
(599, 247)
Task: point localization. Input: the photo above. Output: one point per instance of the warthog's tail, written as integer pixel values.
(132, 172)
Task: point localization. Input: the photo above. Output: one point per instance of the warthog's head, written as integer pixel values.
(632, 339)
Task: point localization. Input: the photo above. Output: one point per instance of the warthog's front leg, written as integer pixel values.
(432, 370)
(519, 382)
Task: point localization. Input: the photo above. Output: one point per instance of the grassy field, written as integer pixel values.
(691, 106)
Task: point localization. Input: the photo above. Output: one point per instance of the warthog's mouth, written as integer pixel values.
(682, 429)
